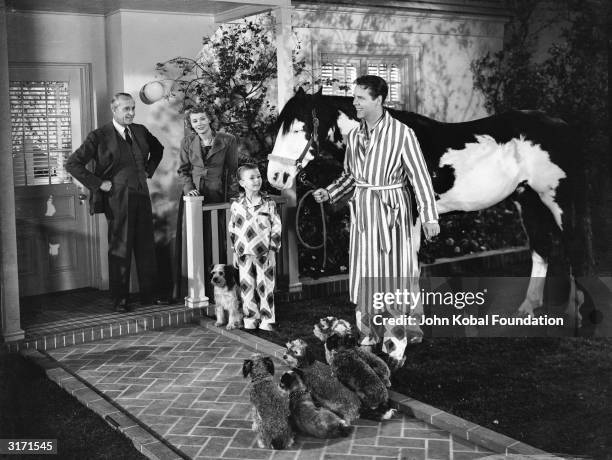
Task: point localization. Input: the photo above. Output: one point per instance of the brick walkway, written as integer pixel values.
(185, 386)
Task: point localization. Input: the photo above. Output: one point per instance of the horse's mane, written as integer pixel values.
(300, 106)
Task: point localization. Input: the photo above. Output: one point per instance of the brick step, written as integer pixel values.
(103, 326)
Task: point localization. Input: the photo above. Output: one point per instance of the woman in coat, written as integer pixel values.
(208, 160)
(208, 164)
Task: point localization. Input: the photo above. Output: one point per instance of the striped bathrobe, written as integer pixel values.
(377, 166)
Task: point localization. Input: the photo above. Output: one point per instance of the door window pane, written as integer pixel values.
(41, 131)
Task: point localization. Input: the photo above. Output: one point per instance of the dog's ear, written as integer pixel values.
(308, 355)
(285, 380)
(332, 342)
(210, 269)
(247, 367)
(269, 364)
(230, 276)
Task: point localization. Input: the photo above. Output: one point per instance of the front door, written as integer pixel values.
(48, 109)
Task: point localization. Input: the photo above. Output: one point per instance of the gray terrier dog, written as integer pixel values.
(270, 410)
(348, 366)
(306, 417)
(331, 325)
(325, 388)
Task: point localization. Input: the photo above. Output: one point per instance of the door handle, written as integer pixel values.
(82, 196)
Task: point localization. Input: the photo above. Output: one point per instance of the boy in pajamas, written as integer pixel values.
(255, 233)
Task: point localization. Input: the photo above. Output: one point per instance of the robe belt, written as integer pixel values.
(379, 215)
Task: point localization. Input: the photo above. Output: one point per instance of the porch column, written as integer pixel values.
(284, 50)
(9, 279)
(196, 272)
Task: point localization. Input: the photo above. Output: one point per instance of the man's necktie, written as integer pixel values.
(128, 138)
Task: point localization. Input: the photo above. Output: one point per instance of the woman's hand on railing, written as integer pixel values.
(193, 192)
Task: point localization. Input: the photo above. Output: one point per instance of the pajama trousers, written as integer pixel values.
(257, 277)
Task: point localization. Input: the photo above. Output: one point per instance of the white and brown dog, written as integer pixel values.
(224, 279)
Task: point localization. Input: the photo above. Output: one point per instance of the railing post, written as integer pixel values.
(196, 295)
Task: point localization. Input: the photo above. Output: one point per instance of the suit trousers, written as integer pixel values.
(130, 229)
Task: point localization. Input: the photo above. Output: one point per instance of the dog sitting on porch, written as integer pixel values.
(331, 325)
(326, 390)
(224, 279)
(270, 404)
(348, 366)
(306, 417)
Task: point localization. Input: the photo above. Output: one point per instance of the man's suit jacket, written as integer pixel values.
(213, 174)
(101, 146)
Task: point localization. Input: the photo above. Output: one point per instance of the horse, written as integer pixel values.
(522, 154)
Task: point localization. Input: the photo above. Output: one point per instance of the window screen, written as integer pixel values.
(41, 131)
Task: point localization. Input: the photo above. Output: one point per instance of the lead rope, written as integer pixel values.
(323, 244)
(302, 178)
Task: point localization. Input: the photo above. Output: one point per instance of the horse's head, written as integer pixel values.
(295, 144)
(308, 124)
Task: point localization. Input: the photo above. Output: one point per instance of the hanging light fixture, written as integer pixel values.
(152, 92)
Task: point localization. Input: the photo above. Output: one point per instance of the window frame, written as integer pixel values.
(361, 61)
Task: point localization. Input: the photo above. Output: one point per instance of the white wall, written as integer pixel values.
(443, 47)
(122, 49)
(136, 41)
(62, 38)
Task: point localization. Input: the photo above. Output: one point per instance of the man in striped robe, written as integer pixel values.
(382, 156)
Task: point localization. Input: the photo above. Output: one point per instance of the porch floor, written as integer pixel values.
(64, 311)
(86, 315)
(179, 393)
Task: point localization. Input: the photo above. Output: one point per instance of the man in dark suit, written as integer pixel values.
(123, 155)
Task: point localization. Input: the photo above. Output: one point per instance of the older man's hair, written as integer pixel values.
(375, 85)
(118, 96)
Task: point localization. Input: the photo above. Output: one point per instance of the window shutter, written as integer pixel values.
(41, 131)
(337, 77)
(391, 72)
(338, 72)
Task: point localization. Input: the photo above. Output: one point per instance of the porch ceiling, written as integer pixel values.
(224, 9)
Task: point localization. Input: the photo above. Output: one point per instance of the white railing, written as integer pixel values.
(194, 229)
